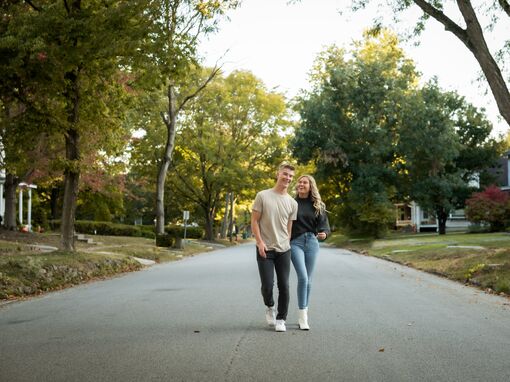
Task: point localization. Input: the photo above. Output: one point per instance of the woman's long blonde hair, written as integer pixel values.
(318, 204)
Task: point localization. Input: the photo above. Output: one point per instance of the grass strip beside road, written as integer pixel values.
(32, 274)
(478, 259)
(27, 270)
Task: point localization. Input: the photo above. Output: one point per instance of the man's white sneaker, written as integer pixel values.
(270, 315)
(280, 326)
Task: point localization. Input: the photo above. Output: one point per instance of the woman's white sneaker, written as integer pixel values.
(303, 319)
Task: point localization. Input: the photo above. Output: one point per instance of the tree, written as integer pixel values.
(229, 141)
(389, 140)
(356, 103)
(454, 148)
(170, 56)
(68, 66)
(471, 34)
(489, 206)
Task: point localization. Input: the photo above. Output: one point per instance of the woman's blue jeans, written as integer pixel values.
(304, 252)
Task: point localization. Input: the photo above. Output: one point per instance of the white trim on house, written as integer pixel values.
(2, 201)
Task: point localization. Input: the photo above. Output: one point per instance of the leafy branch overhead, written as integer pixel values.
(472, 34)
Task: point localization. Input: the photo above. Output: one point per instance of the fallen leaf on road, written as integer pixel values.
(381, 350)
(196, 331)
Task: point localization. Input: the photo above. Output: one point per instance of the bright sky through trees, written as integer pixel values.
(278, 42)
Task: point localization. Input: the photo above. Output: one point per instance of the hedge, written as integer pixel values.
(178, 231)
(106, 228)
(115, 229)
(164, 240)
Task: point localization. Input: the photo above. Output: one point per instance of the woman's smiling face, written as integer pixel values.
(303, 186)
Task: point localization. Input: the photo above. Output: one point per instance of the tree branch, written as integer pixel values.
(184, 180)
(67, 6)
(200, 88)
(189, 25)
(505, 5)
(448, 23)
(199, 29)
(33, 5)
(165, 119)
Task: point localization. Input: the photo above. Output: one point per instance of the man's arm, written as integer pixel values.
(255, 228)
(289, 228)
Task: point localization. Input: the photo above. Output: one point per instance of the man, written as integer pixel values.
(271, 221)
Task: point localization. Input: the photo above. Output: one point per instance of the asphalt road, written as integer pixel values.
(202, 319)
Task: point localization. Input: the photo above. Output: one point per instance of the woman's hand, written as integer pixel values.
(322, 236)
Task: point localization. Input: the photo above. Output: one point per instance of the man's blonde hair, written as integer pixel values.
(286, 165)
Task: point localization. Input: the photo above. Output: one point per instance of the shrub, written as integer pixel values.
(104, 228)
(147, 231)
(113, 229)
(164, 240)
(178, 231)
(490, 206)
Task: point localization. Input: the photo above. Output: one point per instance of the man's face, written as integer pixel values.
(284, 177)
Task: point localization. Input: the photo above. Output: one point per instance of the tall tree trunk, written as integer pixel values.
(209, 222)
(224, 223)
(11, 183)
(71, 183)
(472, 37)
(72, 169)
(170, 122)
(231, 217)
(442, 217)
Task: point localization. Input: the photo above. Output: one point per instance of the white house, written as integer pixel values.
(412, 216)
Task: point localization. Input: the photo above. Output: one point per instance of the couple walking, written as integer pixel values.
(288, 229)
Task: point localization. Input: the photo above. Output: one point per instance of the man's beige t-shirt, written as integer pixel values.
(275, 212)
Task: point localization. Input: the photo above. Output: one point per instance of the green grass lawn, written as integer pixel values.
(27, 270)
(479, 259)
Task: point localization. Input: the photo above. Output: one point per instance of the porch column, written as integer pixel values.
(2, 205)
(417, 216)
(20, 206)
(29, 216)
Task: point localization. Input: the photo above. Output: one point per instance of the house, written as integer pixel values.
(412, 217)
(501, 172)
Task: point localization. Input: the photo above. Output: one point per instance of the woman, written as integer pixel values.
(311, 226)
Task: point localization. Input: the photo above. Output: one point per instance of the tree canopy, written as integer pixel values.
(388, 138)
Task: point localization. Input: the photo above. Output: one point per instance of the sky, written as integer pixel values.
(278, 42)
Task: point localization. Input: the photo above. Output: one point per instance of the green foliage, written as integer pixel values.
(455, 147)
(356, 103)
(388, 139)
(104, 205)
(107, 228)
(230, 140)
(62, 66)
(164, 240)
(176, 231)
